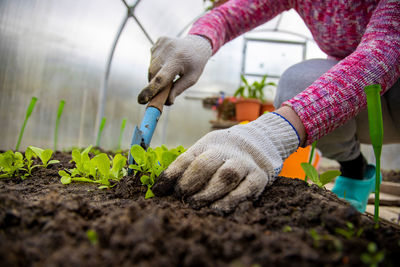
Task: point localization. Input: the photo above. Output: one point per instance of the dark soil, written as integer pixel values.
(45, 223)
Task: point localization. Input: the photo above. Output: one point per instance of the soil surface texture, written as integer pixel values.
(46, 223)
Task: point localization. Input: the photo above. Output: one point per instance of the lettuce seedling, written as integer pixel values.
(96, 170)
(27, 115)
(102, 163)
(95, 151)
(322, 179)
(44, 155)
(92, 236)
(82, 163)
(29, 156)
(67, 178)
(350, 232)
(10, 163)
(372, 257)
(152, 162)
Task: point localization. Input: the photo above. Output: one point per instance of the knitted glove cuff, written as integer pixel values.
(281, 133)
(202, 44)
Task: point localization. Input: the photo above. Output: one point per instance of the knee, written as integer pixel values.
(299, 76)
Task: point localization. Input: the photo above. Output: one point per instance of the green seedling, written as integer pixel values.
(350, 232)
(92, 236)
(320, 180)
(82, 162)
(28, 114)
(10, 163)
(105, 173)
(121, 132)
(376, 134)
(101, 128)
(67, 178)
(314, 144)
(95, 151)
(44, 155)
(372, 257)
(152, 162)
(29, 156)
(83, 168)
(59, 112)
(98, 170)
(317, 238)
(287, 229)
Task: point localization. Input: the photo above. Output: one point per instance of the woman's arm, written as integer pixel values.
(236, 17)
(338, 95)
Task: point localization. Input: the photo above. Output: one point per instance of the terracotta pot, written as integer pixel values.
(220, 2)
(247, 109)
(267, 107)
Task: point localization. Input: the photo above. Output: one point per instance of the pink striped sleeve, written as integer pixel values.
(235, 17)
(338, 95)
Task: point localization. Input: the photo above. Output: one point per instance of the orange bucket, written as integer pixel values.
(291, 166)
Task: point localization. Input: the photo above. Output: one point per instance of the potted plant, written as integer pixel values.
(214, 3)
(267, 105)
(250, 98)
(226, 109)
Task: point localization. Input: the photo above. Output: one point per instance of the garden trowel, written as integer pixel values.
(142, 136)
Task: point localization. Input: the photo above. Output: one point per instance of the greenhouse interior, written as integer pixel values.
(89, 176)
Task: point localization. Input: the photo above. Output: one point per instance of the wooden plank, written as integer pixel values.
(390, 188)
(385, 199)
(391, 214)
(222, 124)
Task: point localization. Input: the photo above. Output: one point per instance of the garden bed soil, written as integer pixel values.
(45, 223)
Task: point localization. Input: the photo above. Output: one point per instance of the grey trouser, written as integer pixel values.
(342, 144)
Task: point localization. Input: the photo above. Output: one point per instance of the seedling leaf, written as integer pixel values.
(319, 180)
(44, 156)
(138, 154)
(328, 176)
(92, 236)
(11, 163)
(102, 162)
(103, 187)
(311, 172)
(145, 179)
(53, 161)
(28, 114)
(149, 194)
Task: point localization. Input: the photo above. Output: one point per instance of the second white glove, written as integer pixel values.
(229, 166)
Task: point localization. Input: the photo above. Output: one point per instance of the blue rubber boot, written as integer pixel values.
(354, 191)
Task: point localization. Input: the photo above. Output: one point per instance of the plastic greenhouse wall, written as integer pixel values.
(58, 49)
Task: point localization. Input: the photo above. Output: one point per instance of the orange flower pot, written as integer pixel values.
(267, 107)
(247, 109)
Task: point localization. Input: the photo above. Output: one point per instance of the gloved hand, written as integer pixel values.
(229, 166)
(170, 57)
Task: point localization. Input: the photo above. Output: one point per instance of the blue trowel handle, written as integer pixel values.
(152, 114)
(148, 125)
(142, 136)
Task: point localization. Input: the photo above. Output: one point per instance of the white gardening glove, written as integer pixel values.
(229, 166)
(170, 57)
